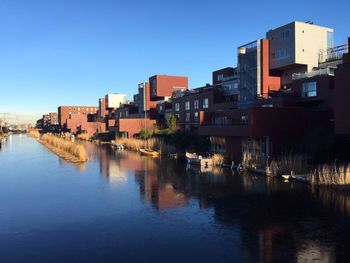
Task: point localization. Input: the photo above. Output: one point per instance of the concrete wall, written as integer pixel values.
(303, 44)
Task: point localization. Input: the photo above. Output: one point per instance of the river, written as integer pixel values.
(122, 207)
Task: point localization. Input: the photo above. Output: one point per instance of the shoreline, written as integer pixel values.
(62, 154)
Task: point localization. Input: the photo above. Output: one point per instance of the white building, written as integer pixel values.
(115, 100)
(296, 47)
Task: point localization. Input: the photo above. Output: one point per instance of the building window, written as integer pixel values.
(196, 116)
(177, 106)
(196, 104)
(205, 103)
(188, 117)
(330, 43)
(220, 77)
(284, 35)
(187, 105)
(282, 53)
(244, 119)
(161, 107)
(309, 89)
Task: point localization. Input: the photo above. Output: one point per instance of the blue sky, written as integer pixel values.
(62, 52)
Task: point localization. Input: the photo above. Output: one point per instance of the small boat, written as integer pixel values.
(193, 158)
(300, 178)
(149, 152)
(119, 147)
(285, 176)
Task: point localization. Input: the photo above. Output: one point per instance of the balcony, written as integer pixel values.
(319, 72)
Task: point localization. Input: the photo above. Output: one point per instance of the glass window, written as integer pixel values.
(205, 103)
(177, 106)
(244, 119)
(196, 116)
(309, 89)
(187, 105)
(196, 104)
(329, 39)
(220, 77)
(188, 117)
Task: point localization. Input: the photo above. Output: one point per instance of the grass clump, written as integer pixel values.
(218, 159)
(84, 137)
(68, 150)
(137, 144)
(34, 134)
(331, 175)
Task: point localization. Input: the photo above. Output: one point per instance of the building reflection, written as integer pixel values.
(268, 214)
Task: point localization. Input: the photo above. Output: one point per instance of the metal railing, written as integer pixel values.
(318, 72)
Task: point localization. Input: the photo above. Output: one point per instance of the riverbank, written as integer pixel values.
(67, 150)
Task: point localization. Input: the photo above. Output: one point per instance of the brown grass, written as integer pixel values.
(68, 150)
(84, 136)
(218, 159)
(331, 175)
(254, 162)
(288, 163)
(137, 144)
(34, 134)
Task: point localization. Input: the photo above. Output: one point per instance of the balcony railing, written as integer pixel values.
(319, 72)
(333, 54)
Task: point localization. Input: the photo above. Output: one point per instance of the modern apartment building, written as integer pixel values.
(67, 114)
(130, 117)
(296, 47)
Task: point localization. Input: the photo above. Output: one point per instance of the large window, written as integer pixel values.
(284, 35)
(281, 54)
(205, 103)
(196, 104)
(177, 106)
(309, 89)
(187, 105)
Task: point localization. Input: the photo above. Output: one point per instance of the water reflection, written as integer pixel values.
(278, 221)
(256, 219)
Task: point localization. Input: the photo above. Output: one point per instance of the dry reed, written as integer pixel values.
(68, 150)
(84, 136)
(218, 159)
(137, 144)
(254, 162)
(34, 134)
(288, 163)
(331, 175)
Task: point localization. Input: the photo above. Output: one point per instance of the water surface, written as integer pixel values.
(121, 207)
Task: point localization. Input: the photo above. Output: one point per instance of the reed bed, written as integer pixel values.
(254, 162)
(218, 159)
(137, 144)
(331, 175)
(68, 150)
(34, 134)
(84, 137)
(286, 164)
(156, 144)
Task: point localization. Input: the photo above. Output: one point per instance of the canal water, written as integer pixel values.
(122, 207)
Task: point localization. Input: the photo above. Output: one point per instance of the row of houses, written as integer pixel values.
(285, 84)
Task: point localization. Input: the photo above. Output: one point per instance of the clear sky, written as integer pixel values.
(71, 52)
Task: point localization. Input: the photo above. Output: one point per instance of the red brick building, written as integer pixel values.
(65, 111)
(130, 118)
